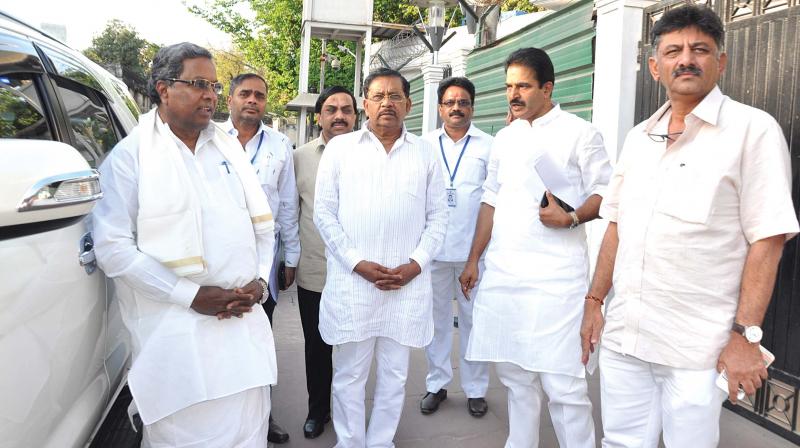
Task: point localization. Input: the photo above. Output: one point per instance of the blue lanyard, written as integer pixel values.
(446, 165)
(260, 139)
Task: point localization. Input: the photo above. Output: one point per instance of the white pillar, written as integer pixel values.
(618, 32)
(305, 56)
(357, 77)
(431, 76)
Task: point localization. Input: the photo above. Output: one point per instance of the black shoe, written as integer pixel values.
(430, 402)
(477, 407)
(314, 427)
(276, 434)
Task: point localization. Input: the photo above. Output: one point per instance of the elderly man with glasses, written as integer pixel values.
(464, 151)
(186, 233)
(380, 208)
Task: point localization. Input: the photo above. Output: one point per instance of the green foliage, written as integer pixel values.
(120, 45)
(519, 5)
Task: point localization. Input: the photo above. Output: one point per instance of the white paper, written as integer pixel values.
(554, 180)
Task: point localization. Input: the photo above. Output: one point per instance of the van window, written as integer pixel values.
(21, 112)
(89, 122)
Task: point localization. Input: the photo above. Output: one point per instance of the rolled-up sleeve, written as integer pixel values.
(114, 227)
(593, 163)
(491, 185)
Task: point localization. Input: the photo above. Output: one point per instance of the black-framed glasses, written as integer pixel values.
(202, 84)
(461, 103)
(661, 138)
(393, 97)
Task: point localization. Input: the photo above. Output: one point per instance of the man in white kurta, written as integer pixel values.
(530, 299)
(380, 209)
(202, 359)
(464, 151)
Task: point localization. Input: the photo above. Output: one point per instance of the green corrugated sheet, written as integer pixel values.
(567, 36)
(414, 118)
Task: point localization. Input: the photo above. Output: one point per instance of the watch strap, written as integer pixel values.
(738, 328)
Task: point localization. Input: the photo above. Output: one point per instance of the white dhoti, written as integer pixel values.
(640, 399)
(351, 364)
(568, 401)
(236, 421)
(474, 374)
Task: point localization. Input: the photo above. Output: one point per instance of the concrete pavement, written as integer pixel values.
(451, 426)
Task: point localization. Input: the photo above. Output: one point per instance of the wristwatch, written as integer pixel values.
(264, 289)
(752, 333)
(575, 221)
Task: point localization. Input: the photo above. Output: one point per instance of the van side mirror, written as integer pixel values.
(44, 181)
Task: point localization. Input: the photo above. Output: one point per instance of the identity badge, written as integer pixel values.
(451, 197)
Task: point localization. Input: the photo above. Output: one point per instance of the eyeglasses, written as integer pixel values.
(661, 138)
(393, 97)
(461, 103)
(202, 84)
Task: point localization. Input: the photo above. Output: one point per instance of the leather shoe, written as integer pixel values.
(276, 434)
(477, 407)
(314, 427)
(430, 402)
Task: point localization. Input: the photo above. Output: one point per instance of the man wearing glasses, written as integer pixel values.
(380, 208)
(530, 298)
(699, 208)
(270, 154)
(464, 152)
(186, 233)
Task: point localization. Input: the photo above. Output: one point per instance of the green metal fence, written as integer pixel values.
(567, 36)
(414, 118)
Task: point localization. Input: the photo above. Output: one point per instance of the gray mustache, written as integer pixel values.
(691, 69)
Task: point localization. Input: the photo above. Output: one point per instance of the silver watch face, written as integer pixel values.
(753, 334)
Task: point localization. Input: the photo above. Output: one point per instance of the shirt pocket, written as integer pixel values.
(270, 171)
(232, 186)
(687, 194)
(472, 171)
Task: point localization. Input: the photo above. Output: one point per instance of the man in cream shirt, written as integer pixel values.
(336, 114)
(186, 233)
(464, 151)
(699, 209)
(380, 209)
(530, 299)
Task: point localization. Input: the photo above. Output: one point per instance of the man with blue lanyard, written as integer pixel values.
(464, 151)
(270, 153)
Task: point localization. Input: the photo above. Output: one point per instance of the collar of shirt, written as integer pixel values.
(544, 120)
(366, 133)
(708, 111)
(230, 129)
(472, 132)
(206, 135)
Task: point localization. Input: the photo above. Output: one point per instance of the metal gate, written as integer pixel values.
(762, 39)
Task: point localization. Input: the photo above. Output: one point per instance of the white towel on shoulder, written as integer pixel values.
(169, 225)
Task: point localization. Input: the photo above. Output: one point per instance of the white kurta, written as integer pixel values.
(181, 357)
(270, 153)
(383, 207)
(530, 301)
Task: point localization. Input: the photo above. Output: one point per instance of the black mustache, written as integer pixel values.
(516, 102)
(456, 113)
(339, 122)
(691, 69)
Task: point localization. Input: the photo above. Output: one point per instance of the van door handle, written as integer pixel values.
(87, 258)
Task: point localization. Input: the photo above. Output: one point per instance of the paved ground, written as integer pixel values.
(451, 426)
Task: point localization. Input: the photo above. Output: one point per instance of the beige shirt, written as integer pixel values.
(311, 267)
(686, 218)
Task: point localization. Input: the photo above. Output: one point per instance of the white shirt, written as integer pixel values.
(530, 300)
(686, 216)
(181, 357)
(270, 153)
(467, 181)
(383, 207)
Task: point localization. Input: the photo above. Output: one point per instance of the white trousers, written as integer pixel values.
(236, 421)
(640, 399)
(351, 364)
(474, 375)
(569, 404)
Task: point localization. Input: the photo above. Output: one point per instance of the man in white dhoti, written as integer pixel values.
(464, 151)
(186, 233)
(699, 208)
(270, 153)
(530, 299)
(380, 209)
